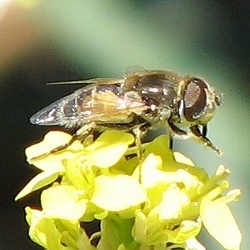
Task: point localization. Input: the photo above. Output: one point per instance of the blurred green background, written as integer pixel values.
(47, 41)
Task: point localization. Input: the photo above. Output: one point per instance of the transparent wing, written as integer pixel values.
(109, 107)
(90, 81)
(102, 103)
(62, 111)
(65, 111)
(134, 69)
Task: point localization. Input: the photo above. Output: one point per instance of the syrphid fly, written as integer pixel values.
(141, 100)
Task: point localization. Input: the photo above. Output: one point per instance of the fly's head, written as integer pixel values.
(198, 101)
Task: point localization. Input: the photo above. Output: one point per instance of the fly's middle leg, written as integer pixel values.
(80, 134)
(175, 132)
(139, 131)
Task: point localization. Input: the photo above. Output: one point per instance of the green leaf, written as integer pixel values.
(139, 231)
(114, 232)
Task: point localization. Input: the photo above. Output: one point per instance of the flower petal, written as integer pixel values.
(221, 224)
(64, 202)
(188, 229)
(41, 180)
(194, 244)
(43, 230)
(173, 200)
(118, 192)
(108, 148)
(151, 174)
(52, 140)
(182, 159)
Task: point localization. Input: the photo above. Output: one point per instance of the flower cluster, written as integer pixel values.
(159, 200)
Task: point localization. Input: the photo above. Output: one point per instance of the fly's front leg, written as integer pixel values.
(175, 132)
(80, 134)
(204, 130)
(200, 137)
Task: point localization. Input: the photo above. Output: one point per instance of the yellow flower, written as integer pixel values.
(159, 201)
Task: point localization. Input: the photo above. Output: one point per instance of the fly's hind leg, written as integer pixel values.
(80, 134)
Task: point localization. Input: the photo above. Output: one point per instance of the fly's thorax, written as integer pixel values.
(159, 89)
(115, 88)
(197, 101)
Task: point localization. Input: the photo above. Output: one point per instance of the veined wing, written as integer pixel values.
(110, 106)
(102, 103)
(64, 111)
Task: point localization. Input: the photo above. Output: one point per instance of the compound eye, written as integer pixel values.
(195, 99)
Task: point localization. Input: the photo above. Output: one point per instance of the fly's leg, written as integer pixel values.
(80, 134)
(137, 133)
(200, 137)
(196, 132)
(175, 132)
(55, 150)
(204, 131)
